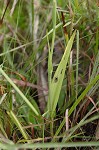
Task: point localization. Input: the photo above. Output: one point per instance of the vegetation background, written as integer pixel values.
(49, 74)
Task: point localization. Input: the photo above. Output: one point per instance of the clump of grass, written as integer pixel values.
(49, 75)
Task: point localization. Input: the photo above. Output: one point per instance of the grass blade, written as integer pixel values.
(50, 145)
(59, 76)
(78, 101)
(17, 123)
(50, 65)
(19, 92)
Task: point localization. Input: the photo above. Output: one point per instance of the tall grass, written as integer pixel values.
(49, 79)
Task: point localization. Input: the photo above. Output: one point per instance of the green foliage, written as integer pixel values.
(49, 65)
(56, 83)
